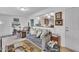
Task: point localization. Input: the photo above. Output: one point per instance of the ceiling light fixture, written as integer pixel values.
(23, 9)
(52, 14)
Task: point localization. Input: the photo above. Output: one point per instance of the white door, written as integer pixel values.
(72, 28)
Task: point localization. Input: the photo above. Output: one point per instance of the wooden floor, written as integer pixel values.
(63, 49)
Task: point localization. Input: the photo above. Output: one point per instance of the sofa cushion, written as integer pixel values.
(32, 31)
(34, 39)
(38, 33)
(44, 32)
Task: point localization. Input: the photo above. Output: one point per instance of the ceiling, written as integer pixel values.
(14, 11)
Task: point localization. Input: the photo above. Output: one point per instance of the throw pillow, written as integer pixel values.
(32, 32)
(38, 33)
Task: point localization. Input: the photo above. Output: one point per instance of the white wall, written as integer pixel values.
(72, 22)
(60, 30)
(5, 28)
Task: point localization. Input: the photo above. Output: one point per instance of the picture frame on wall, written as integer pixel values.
(58, 19)
(16, 19)
(58, 15)
(32, 22)
(59, 22)
(15, 22)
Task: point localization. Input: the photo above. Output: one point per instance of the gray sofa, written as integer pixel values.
(42, 41)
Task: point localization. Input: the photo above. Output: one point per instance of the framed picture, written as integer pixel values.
(16, 19)
(46, 21)
(58, 19)
(59, 22)
(58, 15)
(32, 22)
(15, 22)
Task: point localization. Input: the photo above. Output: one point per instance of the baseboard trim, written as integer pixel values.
(70, 49)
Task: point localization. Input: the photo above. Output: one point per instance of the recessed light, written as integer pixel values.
(23, 8)
(52, 14)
